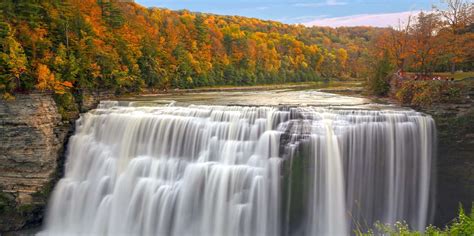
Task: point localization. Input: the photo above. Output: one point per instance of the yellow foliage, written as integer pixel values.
(342, 56)
(47, 81)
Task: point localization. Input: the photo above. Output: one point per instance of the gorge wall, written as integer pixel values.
(455, 160)
(31, 143)
(33, 137)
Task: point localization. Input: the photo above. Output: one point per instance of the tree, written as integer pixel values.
(48, 82)
(379, 80)
(13, 62)
(111, 14)
(149, 64)
(398, 43)
(341, 56)
(103, 44)
(425, 46)
(458, 15)
(65, 65)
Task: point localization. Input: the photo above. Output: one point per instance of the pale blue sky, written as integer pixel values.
(295, 11)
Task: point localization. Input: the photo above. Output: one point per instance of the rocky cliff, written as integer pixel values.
(455, 159)
(32, 143)
(34, 130)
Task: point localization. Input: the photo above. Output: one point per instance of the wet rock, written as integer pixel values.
(90, 99)
(455, 159)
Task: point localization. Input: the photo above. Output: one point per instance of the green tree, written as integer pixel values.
(65, 65)
(111, 14)
(13, 61)
(149, 64)
(379, 80)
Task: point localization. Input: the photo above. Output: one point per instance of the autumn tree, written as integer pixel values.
(400, 43)
(425, 46)
(124, 47)
(48, 82)
(458, 16)
(13, 62)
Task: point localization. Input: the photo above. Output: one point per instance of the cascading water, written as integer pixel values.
(360, 166)
(221, 170)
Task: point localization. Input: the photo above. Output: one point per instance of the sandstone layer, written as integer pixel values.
(32, 140)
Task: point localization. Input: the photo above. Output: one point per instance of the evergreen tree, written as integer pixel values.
(149, 65)
(379, 80)
(111, 14)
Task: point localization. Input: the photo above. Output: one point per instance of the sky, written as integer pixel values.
(308, 12)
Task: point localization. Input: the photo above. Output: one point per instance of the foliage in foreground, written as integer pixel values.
(462, 225)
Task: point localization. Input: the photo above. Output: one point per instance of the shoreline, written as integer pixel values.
(296, 86)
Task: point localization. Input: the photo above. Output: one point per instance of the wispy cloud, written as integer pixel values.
(299, 19)
(320, 4)
(335, 3)
(377, 20)
(262, 8)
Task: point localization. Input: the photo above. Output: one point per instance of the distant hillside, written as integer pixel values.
(98, 44)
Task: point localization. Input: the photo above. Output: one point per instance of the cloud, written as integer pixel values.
(377, 20)
(335, 3)
(299, 19)
(320, 4)
(262, 8)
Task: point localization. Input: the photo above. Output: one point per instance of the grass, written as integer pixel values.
(456, 75)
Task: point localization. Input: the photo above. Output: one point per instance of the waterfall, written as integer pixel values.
(223, 170)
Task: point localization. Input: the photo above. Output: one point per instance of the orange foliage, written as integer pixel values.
(47, 81)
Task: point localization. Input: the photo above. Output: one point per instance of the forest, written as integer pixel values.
(250, 167)
(59, 46)
(56, 45)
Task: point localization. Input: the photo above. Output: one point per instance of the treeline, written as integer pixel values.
(441, 40)
(100, 44)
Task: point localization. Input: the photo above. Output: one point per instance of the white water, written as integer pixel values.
(368, 166)
(217, 170)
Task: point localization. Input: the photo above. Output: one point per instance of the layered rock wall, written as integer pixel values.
(90, 99)
(455, 160)
(32, 140)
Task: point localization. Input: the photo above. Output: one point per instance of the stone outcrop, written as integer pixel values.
(32, 141)
(455, 159)
(90, 99)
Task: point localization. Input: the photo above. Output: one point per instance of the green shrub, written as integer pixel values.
(67, 105)
(462, 225)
